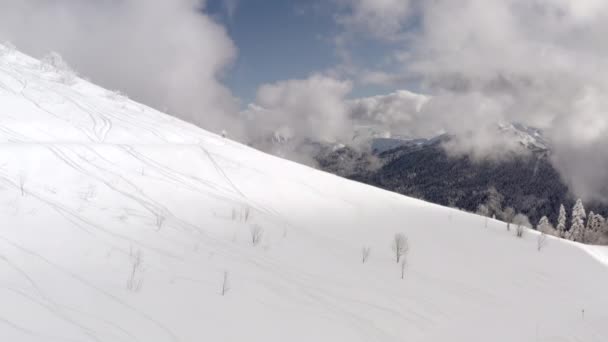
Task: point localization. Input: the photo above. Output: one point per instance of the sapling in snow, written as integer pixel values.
(225, 283)
(135, 279)
(365, 251)
(400, 246)
(541, 241)
(257, 233)
(521, 222)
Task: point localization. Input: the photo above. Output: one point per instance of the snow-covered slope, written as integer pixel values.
(90, 182)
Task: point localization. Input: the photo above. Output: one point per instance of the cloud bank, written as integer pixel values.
(166, 53)
(542, 63)
(310, 108)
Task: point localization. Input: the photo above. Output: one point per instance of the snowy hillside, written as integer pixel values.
(120, 223)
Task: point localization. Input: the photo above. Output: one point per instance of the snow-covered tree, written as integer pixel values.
(601, 222)
(494, 202)
(594, 230)
(577, 230)
(595, 222)
(507, 215)
(522, 222)
(602, 227)
(544, 226)
(561, 222)
(483, 210)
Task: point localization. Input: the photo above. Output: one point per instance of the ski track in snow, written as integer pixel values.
(182, 194)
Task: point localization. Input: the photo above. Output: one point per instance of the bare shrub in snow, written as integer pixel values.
(135, 280)
(53, 62)
(89, 193)
(257, 233)
(225, 283)
(400, 246)
(160, 221)
(22, 180)
(521, 222)
(241, 214)
(541, 241)
(246, 213)
(365, 251)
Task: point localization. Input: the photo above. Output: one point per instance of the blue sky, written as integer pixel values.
(286, 39)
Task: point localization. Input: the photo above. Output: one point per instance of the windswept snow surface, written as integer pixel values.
(90, 179)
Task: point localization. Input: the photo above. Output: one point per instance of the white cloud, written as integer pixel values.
(394, 112)
(543, 63)
(309, 108)
(165, 53)
(381, 18)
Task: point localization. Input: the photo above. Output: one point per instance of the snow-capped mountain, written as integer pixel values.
(529, 137)
(120, 223)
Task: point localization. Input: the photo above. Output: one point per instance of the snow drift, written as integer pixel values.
(120, 223)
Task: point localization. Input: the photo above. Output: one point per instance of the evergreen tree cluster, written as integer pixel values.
(590, 229)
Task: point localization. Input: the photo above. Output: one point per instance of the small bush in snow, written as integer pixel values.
(257, 233)
(135, 280)
(365, 251)
(541, 241)
(22, 180)
(225, 283)
(241, 214)
(400, 246)
(160, 221)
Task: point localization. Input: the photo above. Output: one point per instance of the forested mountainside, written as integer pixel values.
(528, 183)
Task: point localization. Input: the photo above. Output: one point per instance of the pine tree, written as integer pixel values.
(591, 222)
(577, 230)
(597, 222)
(595, 226)
(601, 223)
(561, 222)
